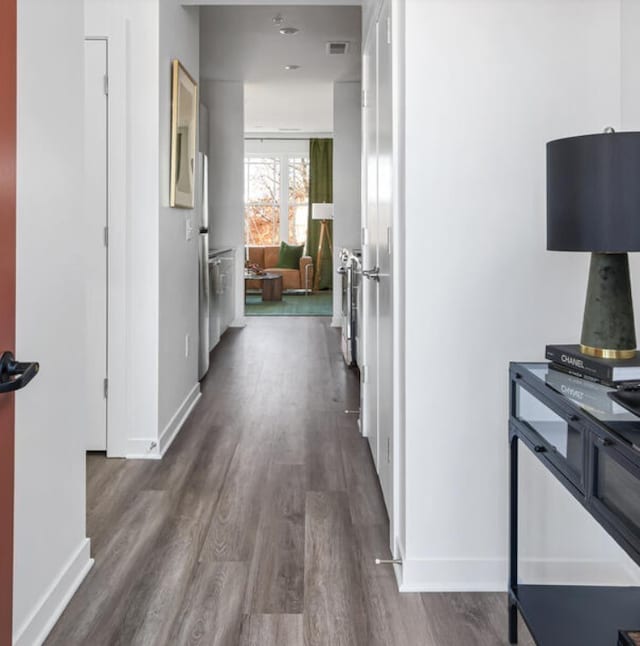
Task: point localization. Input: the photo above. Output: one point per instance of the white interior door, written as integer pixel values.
(377, 390)
(384, 239)
(96, 218)
(369, 404)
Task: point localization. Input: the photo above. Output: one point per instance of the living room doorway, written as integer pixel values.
(280, 267)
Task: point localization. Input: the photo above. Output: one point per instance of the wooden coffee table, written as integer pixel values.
(271, 286)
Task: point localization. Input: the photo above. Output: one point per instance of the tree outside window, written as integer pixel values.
(276, 199)
(262, 200)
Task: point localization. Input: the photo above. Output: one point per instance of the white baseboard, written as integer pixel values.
(632, 571)
(144, 448)
(38, 625)
(576, 572)
(336, 321)
(449, 575)
(241, 321)
(490, 575)
(180, 417)
(398, 553)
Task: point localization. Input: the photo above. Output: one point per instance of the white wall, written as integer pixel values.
(630, 22)
(132, 32)
(203, 129)
(487, 85)
(347, 197)
(273, 146)
(178, 260)
(225, 102)
(51, 548)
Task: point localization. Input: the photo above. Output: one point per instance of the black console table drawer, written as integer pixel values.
(615, 490)
(554, 433)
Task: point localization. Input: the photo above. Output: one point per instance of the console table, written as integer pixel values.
(592, 446)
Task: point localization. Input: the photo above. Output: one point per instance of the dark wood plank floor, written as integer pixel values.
(261, 524)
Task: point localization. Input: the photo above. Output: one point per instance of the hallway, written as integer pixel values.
(261, 524)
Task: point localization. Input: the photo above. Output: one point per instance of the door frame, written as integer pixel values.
(8, 189)
(107, 224)
(371, 33)
(117, 422)
(397, 522)
(386, 440)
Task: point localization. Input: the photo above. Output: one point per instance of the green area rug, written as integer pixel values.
(319, 304)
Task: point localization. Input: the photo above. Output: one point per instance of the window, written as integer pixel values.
(276, 199)
(262, 200)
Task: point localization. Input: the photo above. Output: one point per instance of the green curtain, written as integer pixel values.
(320, 190)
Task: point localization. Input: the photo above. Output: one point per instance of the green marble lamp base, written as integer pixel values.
(608, 327)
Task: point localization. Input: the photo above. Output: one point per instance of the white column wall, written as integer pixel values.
(51, 551)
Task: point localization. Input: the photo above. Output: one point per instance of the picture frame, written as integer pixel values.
(629, 638)
(184, 120)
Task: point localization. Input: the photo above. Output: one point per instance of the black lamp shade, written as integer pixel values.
(593, 193)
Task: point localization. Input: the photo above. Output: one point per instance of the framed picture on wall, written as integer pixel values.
(184, 119)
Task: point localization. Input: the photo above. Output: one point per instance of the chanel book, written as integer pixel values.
(612, 371)
(583, 392)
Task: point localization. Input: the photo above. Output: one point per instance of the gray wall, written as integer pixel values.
(225, 103)
(347, 154)
(178, 257)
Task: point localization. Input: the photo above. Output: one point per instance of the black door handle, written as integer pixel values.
(15, 375)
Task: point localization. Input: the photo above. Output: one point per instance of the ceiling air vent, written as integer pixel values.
(337, 48)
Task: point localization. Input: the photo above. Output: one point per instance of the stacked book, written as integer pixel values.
(589, 381)
(614, 373)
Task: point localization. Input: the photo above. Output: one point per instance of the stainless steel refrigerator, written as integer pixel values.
(202, 222)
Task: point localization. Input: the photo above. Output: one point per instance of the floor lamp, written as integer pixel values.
(324, 213)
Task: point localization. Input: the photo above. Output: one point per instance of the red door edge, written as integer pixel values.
(8, 29)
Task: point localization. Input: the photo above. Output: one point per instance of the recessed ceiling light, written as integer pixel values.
(278, 19)
(290, 68)
(289, 31)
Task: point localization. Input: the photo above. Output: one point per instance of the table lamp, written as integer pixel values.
(323, 212)
(593, 204)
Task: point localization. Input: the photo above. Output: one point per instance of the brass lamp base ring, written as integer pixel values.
(604, 353)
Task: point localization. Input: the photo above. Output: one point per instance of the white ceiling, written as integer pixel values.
(243, 43)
